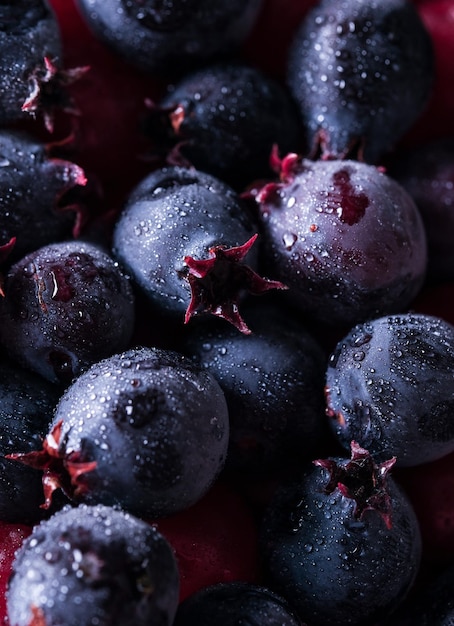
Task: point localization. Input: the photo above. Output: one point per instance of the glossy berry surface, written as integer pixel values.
(36, 206)
(389, 386)
(170, 35)
(150, 413)
(93, 565)
(66, 306)
(345, 238)
(183, 236)
(234, 603)
(361, 72)
(341, 543)
(273, 382)
(225, 118)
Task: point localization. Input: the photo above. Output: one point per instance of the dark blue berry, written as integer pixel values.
(66, 306)
(225, 120)
(362, 73)
(170, 35)
(231, 604)
(345, 238)
(93, 565)
(342, 543)
(390, 386)
(146, 430)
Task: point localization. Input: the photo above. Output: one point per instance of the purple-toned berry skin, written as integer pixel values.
(362, 72)
(273, 382)
(390, 387)
(427, 173)
(230, 604)
(66, 306)
(172, 35)
(27, 403)
(155, 425)
(177, 212)
(346, 239)
(93, 565)
(226, 118)
(334, 568)
(34, 193)
(29, 32)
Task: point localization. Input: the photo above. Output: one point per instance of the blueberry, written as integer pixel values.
(93, 565)
(182, 237)
(66, 306)
(230, 604)
(225, 119)
(273, 382)
(170, 35)
(35, 206)
(345, 238)
(342, 542)
(144, 429)
(362, 72)
(390, 386)
(27, 403)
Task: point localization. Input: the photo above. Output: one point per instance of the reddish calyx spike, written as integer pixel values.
(362, 480)
(217, 283)
(48, 84)
(61, 470)
(75, 177)
(286, 168)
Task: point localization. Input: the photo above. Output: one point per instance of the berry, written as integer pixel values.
(182, 237)
(224, 119)
(273, 382)
(169, 36)
(93, 565)
(149, 413)
(38, 194)
(390, 386)
(66, 306)
(342, 543)
(345, 238)
(230, 604)
(11, 538)
(361, 72)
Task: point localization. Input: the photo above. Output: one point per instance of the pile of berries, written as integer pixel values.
(227, 312)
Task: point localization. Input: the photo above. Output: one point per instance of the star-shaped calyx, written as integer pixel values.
(61, 469)
(218, 283)
(362, 480)
(48, 91)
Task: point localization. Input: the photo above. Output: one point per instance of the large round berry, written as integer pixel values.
(144, 429)
(93, 565)
(341, 543)
(345, 238)
(230, 604)
(66, 306)
(226, 118)
(35, 206)
(361, 72)
(182, 237)
(170, 35)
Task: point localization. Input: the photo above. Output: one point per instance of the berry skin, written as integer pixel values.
(341, 544)
(234, 603)
(35, 206)
(362, 72)
(93, 565)
(172, 35)
(182, 237)
(27, 403)
(66, 306)
(390, 386)
(345, 238)
(273, 382)
(224, 119)
(144, 429)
